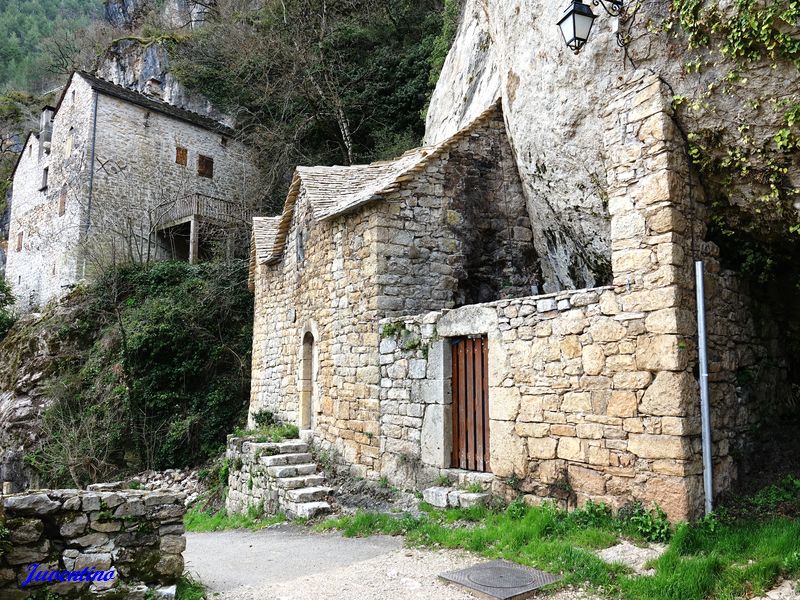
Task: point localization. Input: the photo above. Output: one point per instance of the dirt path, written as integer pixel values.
(290, 563)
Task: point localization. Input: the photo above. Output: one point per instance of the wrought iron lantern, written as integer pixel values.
(576, 24)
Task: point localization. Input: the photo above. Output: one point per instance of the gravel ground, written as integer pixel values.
(289, 563)
(402, 574)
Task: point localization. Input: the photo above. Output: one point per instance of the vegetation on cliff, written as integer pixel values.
(150, 369)
(312, 82)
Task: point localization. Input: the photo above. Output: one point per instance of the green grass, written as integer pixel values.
(190, 589)
(712, 559)
(202, 521)
(277, 432)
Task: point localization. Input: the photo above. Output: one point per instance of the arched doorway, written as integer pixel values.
(306, 382)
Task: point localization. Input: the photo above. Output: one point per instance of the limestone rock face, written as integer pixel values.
(553, 101)
(132, 64)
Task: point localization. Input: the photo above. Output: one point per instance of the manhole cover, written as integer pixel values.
(501, 579)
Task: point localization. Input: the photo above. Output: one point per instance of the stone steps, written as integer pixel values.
(307, 510)
(293, 483)
(308, 494)
(292, 470)
(279, 460)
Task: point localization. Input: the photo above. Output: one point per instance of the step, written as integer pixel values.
(278, 460)
(308, 494)
(307, 510)
(293, 483)
(292, 447)
(292, 470)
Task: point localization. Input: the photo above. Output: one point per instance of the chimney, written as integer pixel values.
(153, 88)
(46, 124)
(45, 130)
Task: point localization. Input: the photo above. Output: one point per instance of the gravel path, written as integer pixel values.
(289, 563)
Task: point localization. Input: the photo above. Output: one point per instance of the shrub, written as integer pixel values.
(163, 375)
(6, 301)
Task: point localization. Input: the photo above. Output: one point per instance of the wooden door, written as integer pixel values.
(470, 404)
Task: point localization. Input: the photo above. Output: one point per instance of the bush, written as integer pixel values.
(6, 301)
(163, 378)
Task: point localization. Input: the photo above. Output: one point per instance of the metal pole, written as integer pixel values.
(705, 408)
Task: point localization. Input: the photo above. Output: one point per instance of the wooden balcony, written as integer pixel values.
(202, 208)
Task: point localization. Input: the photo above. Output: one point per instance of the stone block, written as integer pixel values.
(594, 360)
(646, 445)
(25, 531)
(621, 404)
(470, 499)
(30, 504)
(504, 403)
(571, 449)
(542, 448)
(586, 480)
(661, 353)
(670, 394)
(436, 496)
(606, 329)
(577, 402)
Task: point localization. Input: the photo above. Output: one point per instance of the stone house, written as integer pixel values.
(113, 175)
(398, 321)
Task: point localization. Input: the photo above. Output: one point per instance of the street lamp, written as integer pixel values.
(576, 24)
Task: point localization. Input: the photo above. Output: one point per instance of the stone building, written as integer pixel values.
(113, 175)
(399, 321)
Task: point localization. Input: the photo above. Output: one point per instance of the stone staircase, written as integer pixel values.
(281, 477)
(295, 474)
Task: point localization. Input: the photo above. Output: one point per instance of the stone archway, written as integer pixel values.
(306, 387)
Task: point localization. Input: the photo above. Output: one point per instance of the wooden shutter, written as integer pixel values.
(181, 156)
(205, 166)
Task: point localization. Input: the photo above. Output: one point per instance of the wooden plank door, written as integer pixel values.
(470, 404)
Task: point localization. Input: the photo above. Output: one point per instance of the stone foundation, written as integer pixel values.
(138, 535)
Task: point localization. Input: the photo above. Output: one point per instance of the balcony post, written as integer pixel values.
(194, 240)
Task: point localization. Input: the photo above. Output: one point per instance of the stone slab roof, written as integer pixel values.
(335, 191)
(108, 88)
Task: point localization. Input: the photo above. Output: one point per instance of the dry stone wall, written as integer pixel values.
(138, 535)
(592, 394)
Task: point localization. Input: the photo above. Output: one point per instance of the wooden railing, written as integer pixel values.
(206, 207)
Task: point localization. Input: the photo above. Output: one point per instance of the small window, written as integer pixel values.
(30, 149)
(205, 166)
(301, 248)
(20, 235)
(45, 174)
(181, 156)
(62, 202)
(70, 142)
(224, 141)
(73, 96)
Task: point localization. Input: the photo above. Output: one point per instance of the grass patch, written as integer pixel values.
(276, 432)
(199, 520)
(711, 559)
(189, 588)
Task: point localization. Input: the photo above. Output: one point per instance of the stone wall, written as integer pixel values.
(593, 394)
(419, 248)
(138, 535)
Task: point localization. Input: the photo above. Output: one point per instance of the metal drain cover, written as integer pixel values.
(501, 579)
